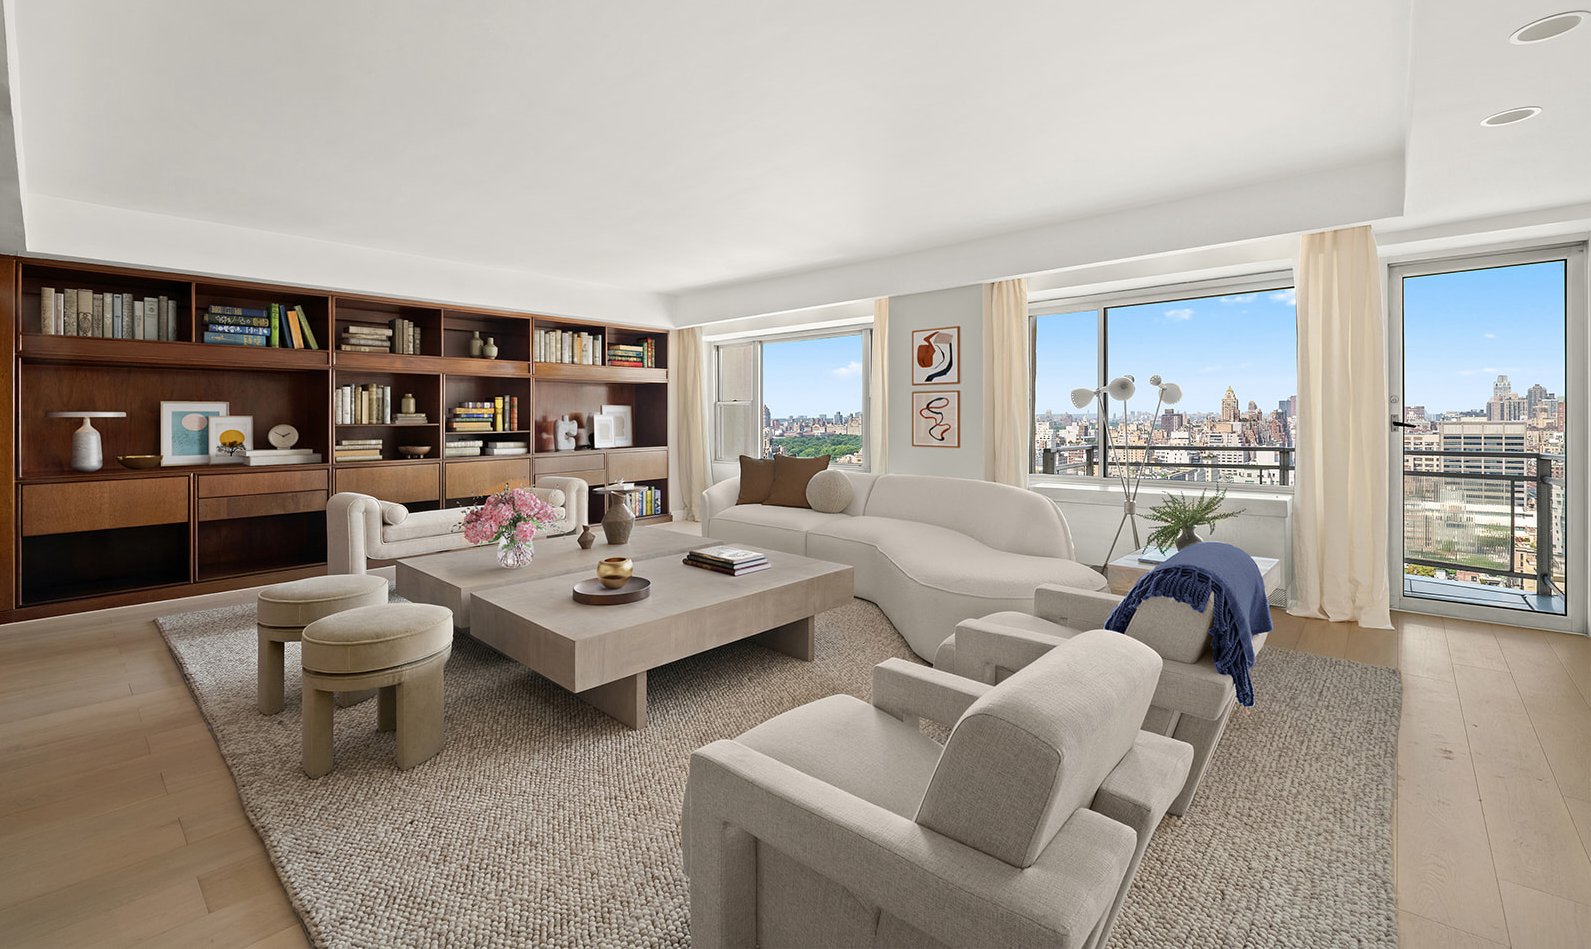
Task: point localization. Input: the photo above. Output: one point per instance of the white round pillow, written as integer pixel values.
(829, 491)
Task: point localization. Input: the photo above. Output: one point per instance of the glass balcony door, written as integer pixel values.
(1488, 365)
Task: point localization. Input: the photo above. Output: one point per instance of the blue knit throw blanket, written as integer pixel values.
(1190, 576)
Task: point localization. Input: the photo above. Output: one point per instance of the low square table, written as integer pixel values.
(448, 579)
(1123, 572)
(602, 653)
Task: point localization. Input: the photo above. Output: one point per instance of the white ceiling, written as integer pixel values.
(649, 157)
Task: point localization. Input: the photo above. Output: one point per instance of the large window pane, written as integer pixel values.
(1065, 357)
(813, 391)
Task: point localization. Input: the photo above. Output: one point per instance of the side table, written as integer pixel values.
(1124, 571)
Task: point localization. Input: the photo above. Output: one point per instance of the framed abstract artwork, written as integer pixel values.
(185, 431)
(230, 437)
(936, 356)
(936, 419)
(623, 425)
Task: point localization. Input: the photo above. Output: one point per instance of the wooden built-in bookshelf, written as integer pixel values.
(87, 540)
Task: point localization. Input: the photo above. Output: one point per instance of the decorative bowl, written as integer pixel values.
(414, 451)
(140, 461)
(614, 572)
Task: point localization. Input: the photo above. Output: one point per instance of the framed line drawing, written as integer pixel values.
(230, 437)
(936, 356)
(936, 419)
(185, 431)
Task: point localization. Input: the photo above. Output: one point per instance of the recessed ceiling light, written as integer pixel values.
(1549, 26)
(1510, 116)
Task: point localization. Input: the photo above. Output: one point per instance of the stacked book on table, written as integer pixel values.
(721, 558)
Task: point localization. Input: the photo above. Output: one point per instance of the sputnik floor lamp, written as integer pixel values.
(1122, 388)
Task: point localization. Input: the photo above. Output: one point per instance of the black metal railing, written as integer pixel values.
(1118, 455)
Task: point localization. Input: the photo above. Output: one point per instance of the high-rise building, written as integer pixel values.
(1284, 407)
(1229, 411)
(1536, 395)
(1501, 389)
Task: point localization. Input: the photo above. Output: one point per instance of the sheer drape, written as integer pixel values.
(691, 453)
(878, 394)
(1340, 505)
(1009, 379)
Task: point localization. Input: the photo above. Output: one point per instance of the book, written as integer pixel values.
(234, 339)
(352, 348)
(99, 315)
(276, 326)
(366, 329)
(60, 314)
(312, 458)
(731, 571)
(227, 319)
(85, 313)
(267, 452)
(359, 443)
(309, 334)
(151, 319)
(234, 328)
(129, 319)
(47, 311)
(168, 318)
(244, 311)
(727, 555)
(1155, 554)
(138, 319)
(118, 325)
(503, 450)
(466, 443)
(294, 334)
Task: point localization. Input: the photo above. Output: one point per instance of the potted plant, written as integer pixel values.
(1177, 517)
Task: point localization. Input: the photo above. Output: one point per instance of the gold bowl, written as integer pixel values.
(140, 461)
(614, 572)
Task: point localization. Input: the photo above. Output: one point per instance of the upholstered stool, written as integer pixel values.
(399, 648)
(282, 612)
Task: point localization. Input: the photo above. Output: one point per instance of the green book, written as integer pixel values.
(276, 328)
(309, 334)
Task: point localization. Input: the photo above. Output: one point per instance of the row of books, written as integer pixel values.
(358, 449)
(501, 414)
(566, 346)
(471, 447)
(369, 404)
(106, 315)
(735, 561)
(649, 502)
(398, 336)
(640, 355)
(275, 324)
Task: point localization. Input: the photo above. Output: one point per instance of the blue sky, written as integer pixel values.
(813, 376)
(1246, 341)
(1462, 330)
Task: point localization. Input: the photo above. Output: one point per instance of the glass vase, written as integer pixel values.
(513, 554)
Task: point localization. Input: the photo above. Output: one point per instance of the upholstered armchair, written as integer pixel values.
(1192, 700)
(360, 527)
(840, 823)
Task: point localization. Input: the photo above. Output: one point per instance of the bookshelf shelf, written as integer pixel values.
(206, 528)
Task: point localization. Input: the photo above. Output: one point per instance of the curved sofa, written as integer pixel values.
(929, 551)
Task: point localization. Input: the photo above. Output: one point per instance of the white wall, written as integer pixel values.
(961, 307)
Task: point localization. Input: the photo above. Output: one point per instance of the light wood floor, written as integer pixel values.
(120, 826)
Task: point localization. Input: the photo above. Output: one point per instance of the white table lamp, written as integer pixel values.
(86, 452)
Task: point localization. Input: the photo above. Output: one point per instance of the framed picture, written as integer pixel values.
(602, 431)
(936, 419)
(230, 437)
(623, 430)
(185, 431)
(936, 356)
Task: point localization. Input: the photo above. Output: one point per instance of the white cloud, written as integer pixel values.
(1289, 297)
(1179, 315)
(1245, 298)
(846, 372)
(1489, 335)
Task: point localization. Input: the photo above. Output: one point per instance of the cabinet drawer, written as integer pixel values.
(405, 484)
(566, 461)
(261, 482)
(468, 479)
(646, 465)
(102, 505)
(261, 505)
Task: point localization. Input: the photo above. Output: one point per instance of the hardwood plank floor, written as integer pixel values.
(120, 826)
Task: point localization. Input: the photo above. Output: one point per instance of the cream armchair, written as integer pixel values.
(1192, 700)
(840, 824)
(361, 528)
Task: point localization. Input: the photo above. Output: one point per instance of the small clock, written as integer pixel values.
(283, 436)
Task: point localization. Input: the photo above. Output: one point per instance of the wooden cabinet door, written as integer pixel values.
(66, 508)
(405, 484)
(645, 464)
(472, 479)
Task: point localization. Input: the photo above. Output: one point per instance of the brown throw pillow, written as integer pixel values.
(790, 477)
(756, 479)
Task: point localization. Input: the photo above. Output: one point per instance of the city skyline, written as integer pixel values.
(813, 377)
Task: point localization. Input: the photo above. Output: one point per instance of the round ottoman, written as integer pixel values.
(282, 612)
(398, 648)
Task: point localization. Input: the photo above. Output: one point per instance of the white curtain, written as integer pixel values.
(1008, 397)
(691, 452)
(878, 390)
(1340, 505)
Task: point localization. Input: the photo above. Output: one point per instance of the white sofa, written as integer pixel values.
(929, 551)
(360, 527)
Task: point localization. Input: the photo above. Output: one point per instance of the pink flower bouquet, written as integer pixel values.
(510, 518)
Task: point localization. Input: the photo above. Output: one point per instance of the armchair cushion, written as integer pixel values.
(756, 479)
(423, 524)
(1030, 753)
(393, 513)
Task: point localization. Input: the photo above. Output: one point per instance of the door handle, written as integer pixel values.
(1398, 424)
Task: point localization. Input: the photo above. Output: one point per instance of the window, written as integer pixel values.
(1231, 348)
(802, 396)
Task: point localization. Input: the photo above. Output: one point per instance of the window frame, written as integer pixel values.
(1268, 281)
(863, 330)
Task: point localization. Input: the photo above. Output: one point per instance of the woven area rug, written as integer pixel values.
(544, 822)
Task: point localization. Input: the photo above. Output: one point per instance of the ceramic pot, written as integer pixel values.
(490, 349)
(476, 343)
(614, 572)
(586, 538)
(406, 404)
(1187, 537)
(511, 555)
(619, 520)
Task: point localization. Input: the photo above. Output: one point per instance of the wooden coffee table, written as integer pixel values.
(602, 653)
(448, 579)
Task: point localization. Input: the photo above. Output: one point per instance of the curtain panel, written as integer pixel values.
(1340, 503)
(878, 391)
(1008, 382)
(692, 458)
